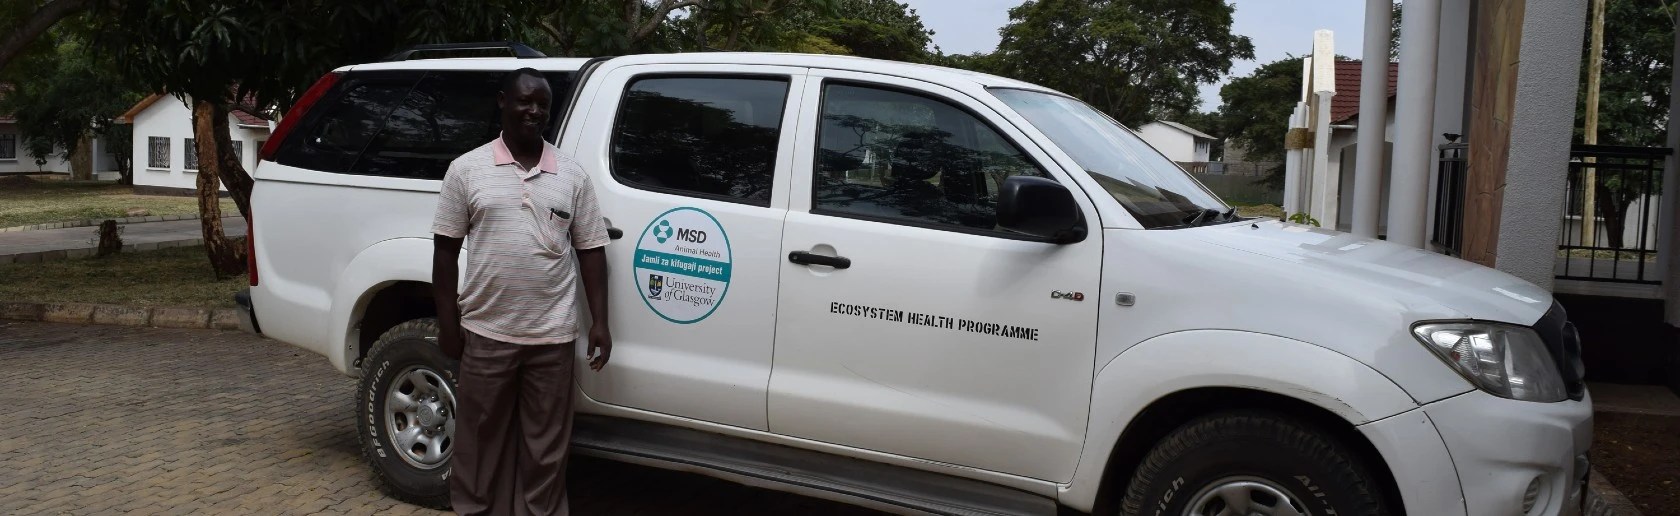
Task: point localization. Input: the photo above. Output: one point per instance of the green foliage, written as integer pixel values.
(1638, 57)
(62, 92)
(1134, 59)
(1301, 218)
(217, 50)
(880, 29)
(1255, 111)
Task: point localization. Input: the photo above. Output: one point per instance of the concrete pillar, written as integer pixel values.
(1414, 120)
(1292, 172)
(1373, 114)
(1542, 128)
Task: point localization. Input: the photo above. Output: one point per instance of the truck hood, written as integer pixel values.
(1379, 267)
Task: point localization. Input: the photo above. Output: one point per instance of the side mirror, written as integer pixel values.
(1039, 207)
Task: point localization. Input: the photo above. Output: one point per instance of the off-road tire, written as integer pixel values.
(1311, 466)
(408, 344)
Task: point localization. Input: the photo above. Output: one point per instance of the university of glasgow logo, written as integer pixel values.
(656, 284)
(662, 232)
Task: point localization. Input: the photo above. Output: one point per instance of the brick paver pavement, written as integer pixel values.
(104, 419)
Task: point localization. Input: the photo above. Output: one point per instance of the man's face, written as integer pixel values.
(525, 109)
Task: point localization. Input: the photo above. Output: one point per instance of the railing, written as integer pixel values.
(1195, 167)
(1449, 198)
(1617, 240)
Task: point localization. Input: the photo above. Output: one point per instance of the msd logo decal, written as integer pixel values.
(663, 231)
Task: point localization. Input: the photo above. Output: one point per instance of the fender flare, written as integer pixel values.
(383, 263)
(1180, 361)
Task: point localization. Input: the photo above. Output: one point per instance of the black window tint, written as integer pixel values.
(715, 137)
(900, 157)
(340, 126)
(444, 116)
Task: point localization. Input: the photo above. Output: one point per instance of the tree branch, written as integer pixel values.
(37, 24)
(659, 14)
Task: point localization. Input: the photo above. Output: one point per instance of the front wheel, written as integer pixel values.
(1242, 463)
(405, 418)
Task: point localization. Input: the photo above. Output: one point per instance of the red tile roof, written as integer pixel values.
(247, 118)
(1345, 105)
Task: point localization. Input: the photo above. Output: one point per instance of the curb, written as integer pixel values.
(117, 315)
(74, 254)
(96, 222)
(1604, 500)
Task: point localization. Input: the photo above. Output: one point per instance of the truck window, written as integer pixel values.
(905, 158)
(443, 117)
(337, 130)
(712, 137)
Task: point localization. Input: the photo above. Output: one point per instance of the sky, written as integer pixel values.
(1278, 28)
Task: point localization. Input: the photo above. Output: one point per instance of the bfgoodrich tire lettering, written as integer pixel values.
(1254, 456)
(405, 353)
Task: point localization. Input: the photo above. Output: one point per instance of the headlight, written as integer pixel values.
(1504, 360)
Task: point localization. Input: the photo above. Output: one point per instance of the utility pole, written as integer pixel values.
(1589, 181)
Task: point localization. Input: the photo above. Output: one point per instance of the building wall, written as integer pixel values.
(24, 161)
(171, 119)
(1541, 133)
(1175, 144)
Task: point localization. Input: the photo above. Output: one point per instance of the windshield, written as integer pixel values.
(1154, 189)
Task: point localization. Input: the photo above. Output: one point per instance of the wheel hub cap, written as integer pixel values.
(420, 417)
(1245, 496)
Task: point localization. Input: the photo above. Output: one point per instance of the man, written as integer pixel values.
(525, 210)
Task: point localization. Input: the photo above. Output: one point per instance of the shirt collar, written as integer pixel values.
(502, 156)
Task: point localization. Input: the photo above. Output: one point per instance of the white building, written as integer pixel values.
(1177, 141)
(163, 141)
(16, 159)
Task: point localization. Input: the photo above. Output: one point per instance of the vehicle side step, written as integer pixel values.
(882, 486)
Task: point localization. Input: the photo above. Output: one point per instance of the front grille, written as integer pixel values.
(1564, 343)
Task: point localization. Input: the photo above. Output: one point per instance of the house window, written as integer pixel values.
(8, 146)
(191, 154)
(157, 153)
(239, 151)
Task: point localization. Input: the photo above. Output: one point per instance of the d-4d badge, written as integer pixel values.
(1071, 296)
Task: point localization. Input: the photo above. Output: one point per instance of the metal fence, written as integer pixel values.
(1449, 198)
(1617, 240)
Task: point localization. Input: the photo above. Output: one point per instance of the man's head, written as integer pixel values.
(524, 101)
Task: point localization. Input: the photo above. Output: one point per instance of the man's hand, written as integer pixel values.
(600, 340)
(451, 341)
(593, 262)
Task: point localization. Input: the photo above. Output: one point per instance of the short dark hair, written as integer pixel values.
(512, 78)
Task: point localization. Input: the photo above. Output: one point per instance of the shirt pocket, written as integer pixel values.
(553, 229)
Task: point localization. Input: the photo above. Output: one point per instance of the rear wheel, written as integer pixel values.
(1241, 463)
(405, 417)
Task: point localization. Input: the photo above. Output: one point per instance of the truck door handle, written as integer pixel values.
(615, 233)
(808, 258)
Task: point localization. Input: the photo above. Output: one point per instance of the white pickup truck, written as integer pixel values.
(924, 290)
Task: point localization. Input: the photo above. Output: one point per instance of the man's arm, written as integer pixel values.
(446, 252)
(593, 265)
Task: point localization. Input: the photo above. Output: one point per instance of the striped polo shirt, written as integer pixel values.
(521, 227)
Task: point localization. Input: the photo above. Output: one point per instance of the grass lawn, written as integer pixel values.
(1260, 210)
(26, 202)
(178, 276)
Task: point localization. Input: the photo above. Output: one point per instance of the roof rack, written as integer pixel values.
(519, 50)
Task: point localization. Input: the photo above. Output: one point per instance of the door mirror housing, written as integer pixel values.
(1040, 207)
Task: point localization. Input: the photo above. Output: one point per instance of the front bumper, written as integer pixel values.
(1499, 446)
(247, 314)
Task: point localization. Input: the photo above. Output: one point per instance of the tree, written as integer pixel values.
(26, 20)
(879, 29)
(1255, 112)
(66, 94)
(216, 51)
(1133, 59)
(1633, 100)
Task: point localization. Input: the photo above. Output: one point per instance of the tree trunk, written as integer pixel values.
(1613, 207)
(227, 258)
(81, 160)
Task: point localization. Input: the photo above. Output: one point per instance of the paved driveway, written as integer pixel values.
(99, 419)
